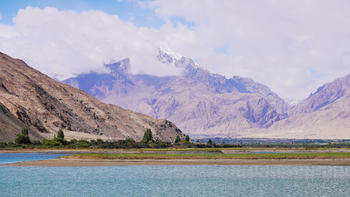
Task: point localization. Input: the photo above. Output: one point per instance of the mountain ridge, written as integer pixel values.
(324, 114)
(245, 85)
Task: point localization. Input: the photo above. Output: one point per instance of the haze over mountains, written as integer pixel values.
(205, 104)
(31, 99)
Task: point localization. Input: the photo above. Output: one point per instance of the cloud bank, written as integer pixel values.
(64, 43)
(291, 46)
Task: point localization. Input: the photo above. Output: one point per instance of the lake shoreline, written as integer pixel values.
(150, 150)
(61, 162)
(125, 157)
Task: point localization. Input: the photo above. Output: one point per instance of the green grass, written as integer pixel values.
(235, 148)
(325, 155)
(183, 149)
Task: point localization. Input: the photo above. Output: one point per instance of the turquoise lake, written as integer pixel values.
(176, 181)
(17, 157)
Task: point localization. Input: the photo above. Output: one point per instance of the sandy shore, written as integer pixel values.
(117, 162)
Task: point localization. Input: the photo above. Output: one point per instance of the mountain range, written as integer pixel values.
(31, 99)
(197, 101)
(204, 104)
(200, 103)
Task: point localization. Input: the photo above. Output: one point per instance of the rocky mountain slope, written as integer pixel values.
(11, 125)
(44, 105)
(324, 114)
(198, 102)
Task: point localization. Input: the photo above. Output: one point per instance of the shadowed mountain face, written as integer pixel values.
(199, 102)
(31, 99)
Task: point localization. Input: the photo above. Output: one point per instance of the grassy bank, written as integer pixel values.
(324, 155)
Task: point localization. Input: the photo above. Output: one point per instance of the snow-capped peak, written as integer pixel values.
(170, 53)
(169, 57)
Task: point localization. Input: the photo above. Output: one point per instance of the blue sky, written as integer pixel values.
(126, 10)
(291, 46)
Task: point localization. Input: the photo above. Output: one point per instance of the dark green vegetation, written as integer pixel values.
(23, 137)
(187, 138)
(59, 142)
(177, 140)
(147, 137)
(60, 134)
(281, 143)
(320, 155)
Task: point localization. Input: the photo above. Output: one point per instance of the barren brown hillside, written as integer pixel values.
(45, 105)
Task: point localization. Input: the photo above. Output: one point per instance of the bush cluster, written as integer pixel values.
(23, 137)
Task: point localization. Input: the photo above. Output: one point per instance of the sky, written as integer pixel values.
(291, 46)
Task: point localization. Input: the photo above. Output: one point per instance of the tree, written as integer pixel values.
(60, 134)
(25, 131)
(147, 137)
(60, 137)
(210, 142)
(177, 140)
(23, 137)
(187, 138)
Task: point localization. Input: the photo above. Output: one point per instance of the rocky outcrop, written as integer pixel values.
(45, 105)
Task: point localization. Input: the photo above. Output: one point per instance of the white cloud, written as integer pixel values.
(291, 46)
(280, 43)
(62, 43)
